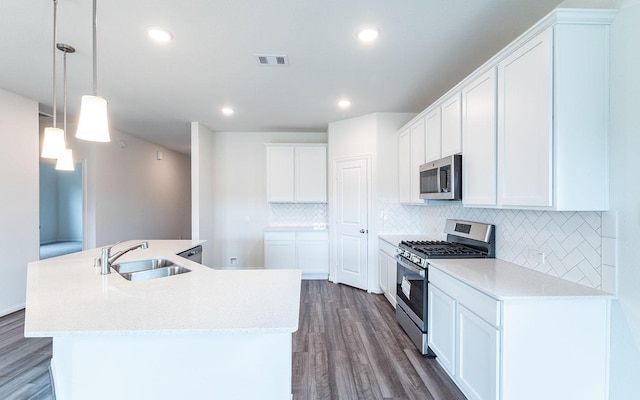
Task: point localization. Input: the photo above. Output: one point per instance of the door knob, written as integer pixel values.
(362, 231)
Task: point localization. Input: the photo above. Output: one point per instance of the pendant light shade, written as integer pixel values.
(93, 124)
(65, 163)
(53, 145)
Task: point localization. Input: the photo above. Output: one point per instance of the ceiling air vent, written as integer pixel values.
(272, 59)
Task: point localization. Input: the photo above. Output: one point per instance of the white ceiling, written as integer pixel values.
(154, 91)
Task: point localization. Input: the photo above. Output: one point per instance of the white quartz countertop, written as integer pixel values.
(504, 280)
(67, 296)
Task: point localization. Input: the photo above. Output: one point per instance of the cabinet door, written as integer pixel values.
(442, 327)
(451, 126)
(433, 135)
(280, 174)
(280, 254)
(313, 256)
(478, 355)
(417, 158)
(479, 141)
(392, 269)
(311, 174)
(383, 274)
(404, 166)
(525, 125)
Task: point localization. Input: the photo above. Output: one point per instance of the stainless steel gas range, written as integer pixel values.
(465, 239)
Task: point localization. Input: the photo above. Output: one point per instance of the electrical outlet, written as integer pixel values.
(233, 260)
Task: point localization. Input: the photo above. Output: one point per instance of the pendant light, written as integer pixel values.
(53, 145)
(93, 124)
(65, 163)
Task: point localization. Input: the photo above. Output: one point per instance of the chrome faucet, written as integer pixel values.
(107, 258)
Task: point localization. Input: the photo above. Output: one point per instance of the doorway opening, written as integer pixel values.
(60, 210)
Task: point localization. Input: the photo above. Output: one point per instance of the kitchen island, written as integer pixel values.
(215, 334)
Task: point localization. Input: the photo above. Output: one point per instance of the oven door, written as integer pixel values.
(411, 291)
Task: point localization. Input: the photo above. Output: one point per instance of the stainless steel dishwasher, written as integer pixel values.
(193, 254)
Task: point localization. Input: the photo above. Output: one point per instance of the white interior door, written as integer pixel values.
(351, 222)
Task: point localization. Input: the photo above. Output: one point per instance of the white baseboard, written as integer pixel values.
(13, 309)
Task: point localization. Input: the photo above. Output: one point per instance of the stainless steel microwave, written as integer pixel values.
(442, 179)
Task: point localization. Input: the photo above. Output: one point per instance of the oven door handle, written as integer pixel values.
(410, 267)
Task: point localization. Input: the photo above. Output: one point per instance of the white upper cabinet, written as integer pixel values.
(280, 174)
(525, 134)
(479, 141)
(552, 116)
(404, 166)
(297, 173)
(443, 129)
(311, 174)
(417, 159)
(532, 121)
(451, 125)
(411, 152)
(433, 136)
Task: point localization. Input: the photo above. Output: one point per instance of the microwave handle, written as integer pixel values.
(410, 267)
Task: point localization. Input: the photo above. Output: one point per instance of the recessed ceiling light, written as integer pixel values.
(368, 34)
(227, 111)
(159, 34)
(344, 103)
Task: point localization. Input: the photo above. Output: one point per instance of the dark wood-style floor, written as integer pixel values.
(24, 363)
(348, 346)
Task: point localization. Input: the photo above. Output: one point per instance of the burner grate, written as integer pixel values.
(438, 248)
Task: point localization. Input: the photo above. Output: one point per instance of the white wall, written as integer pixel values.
(202, 200)
(373, 136)
(19, 237)
(625, 200)
(137, 196)
(239, 197)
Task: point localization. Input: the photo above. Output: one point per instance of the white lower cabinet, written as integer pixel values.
(522, 347)
(478, 353)
(387, 270)
(463, 326)
(441, 328)
(307, 251)
(280, 254)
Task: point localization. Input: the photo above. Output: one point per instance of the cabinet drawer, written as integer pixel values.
(475, 301)
(279, 236)
(387, 247)
(319, 235)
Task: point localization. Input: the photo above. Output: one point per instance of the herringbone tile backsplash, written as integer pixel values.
(571, 241)
(297, 214)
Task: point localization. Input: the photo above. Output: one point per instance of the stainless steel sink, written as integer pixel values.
(154, 273)
(141, 270)
(142, 265)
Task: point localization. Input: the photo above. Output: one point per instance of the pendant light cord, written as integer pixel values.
(95, 51)
(55, 12)
(65, 95)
